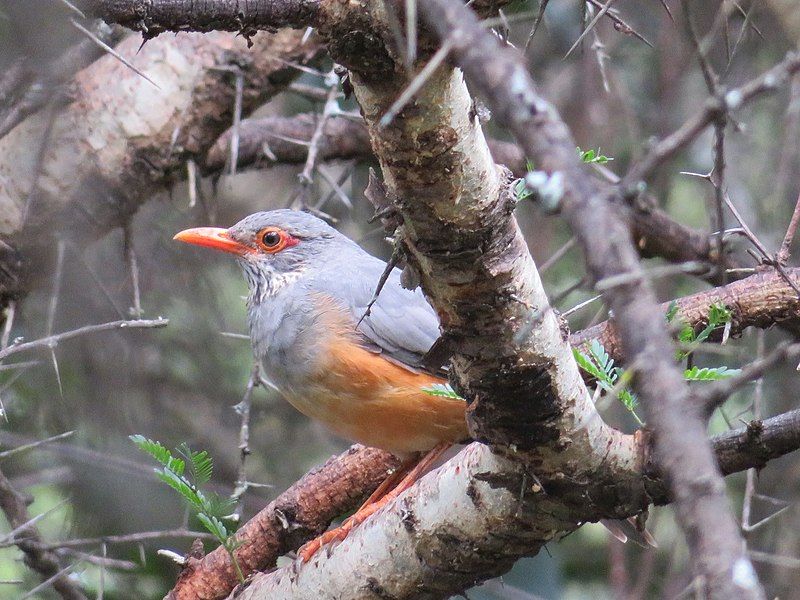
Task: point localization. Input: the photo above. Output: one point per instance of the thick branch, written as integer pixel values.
(446, 529)
(695, 481)
(752, 447)
(114, 146)
(285, 140)
(157, 16)
(761, 300)
(297, 515)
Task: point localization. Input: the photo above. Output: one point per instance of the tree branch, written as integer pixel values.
(300, 513)
(441, 528)
(761, 300)
(752, 447)
(695, 481)
(114, 146)
(157, 16)
(27, 539)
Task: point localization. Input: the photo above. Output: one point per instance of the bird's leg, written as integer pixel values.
(391, 481)
(375, 502)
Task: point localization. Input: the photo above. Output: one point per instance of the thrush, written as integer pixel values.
(353, 366)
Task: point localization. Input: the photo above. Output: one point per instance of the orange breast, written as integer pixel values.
(365, 398)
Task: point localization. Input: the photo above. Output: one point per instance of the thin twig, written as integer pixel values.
(53, 340)
(768, 81)
(243, 410)
(336, 187)
(25, 447)
(536, 22)
(128, 538)
(783, 254)
(15, 507)
(331, 106)
(717, 392)
(557, 255)
(603, 10)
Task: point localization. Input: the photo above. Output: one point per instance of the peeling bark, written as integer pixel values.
(116, 145)
(702, 508)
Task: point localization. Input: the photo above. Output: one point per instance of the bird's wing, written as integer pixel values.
(400, 325)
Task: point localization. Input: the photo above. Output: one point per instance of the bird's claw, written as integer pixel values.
(338, 534)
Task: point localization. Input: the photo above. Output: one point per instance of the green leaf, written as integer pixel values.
(590, 156)
(718, 316)
(219, 506)
(443, 390)
(601, 366)
(603, 360)
(158, 452)
(672, 311)
(179, 483)
(214, 526)
(200, 464)
(586, 363)
(154, 449)
(521, 191)
(709, 373)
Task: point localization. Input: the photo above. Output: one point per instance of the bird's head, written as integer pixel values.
(274, 247)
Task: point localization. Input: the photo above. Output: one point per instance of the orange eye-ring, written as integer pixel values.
(274, 239)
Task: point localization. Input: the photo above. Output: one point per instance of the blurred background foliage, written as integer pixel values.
(180, 383)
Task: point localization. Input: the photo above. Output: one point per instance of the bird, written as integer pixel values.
(338, 353)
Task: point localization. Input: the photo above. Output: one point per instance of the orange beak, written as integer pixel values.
(212, 237)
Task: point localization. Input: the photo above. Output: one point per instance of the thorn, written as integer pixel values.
(58, 373)
(111, 51)
(173, 556)
(73, 8)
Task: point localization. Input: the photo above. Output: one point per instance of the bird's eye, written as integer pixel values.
(271, 239)
(274, 239)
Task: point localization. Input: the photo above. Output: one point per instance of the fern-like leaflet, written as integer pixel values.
(211, 510)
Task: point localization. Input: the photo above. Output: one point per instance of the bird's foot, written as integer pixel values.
(374, 503)
(338, 534)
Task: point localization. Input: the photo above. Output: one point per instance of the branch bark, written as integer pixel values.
(442, 524)
(300, 513)
(85, 169)
(695, 481)
(761, 300)
(157, 16)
